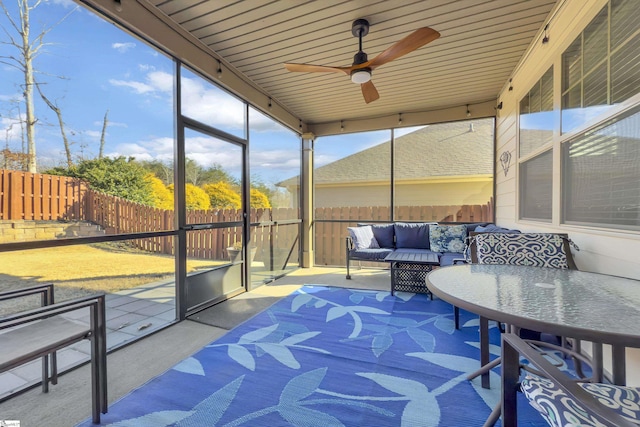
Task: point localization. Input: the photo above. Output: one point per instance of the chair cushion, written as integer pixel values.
(533, 249)
(448, 258)
(363, 237)
(370, 254)
(560, 410)
(447, 238)
(412, 235)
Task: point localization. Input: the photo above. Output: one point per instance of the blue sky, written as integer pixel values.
(90, 66)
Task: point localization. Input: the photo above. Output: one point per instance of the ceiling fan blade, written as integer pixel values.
(308, 68)
(369, 92)
(413, 41)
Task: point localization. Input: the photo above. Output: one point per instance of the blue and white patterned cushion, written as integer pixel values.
(447, 238)
(363, 237)
(533, 249)
(560, 410)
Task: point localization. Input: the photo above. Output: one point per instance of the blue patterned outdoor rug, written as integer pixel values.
(327, 357)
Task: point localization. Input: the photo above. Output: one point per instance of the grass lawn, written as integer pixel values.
(85, 269)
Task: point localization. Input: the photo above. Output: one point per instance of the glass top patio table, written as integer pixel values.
(571, 303)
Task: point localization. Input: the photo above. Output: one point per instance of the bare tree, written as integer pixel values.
(65, 140)
(105, 122)
(28, 48)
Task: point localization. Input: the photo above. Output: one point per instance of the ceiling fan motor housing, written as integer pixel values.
(360, 58)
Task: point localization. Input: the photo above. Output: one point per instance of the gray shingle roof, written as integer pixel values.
(447, 149)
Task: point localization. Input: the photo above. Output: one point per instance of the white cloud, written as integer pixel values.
(123, 47)
(138, 87)
(10, 129)
(11, 98)
(211, 105)
(92, 133)
(321, 160)
(161, 81)
(157, 148)
(64, 3)
(110, 124)
(275, 159)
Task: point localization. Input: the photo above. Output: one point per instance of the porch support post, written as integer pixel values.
(306, 187)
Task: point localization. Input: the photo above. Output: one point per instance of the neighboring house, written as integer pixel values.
(458, 170)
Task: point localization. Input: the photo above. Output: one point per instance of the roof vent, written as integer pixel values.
(471, 129)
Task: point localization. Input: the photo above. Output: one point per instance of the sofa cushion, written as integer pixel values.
(447, 258)
(384, 234)
(560, 410)
(492, 228)
(473, 225)
(412, 235)
(371, 254)
(363, 237)
(448, 238)
(533, 249)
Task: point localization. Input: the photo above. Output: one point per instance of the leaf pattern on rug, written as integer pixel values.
(262, 341)
(190, 365)
(327, 357)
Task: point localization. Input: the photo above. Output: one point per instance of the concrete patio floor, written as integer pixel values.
(148, 310)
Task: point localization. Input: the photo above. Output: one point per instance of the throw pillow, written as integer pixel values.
(383, 234)
(533, 249)
(363, 237)
(447, 238)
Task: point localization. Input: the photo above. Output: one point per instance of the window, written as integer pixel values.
(536, 115)
(601, 178)
(536, 131)
(600, 68)
(536, 176)
(211, 105)
(441, 172)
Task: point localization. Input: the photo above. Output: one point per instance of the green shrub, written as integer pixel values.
(222, 196)
(196, 198)
(259, 199)
(162, 196)
(121, 177)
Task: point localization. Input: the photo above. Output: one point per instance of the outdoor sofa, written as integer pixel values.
(374, 242)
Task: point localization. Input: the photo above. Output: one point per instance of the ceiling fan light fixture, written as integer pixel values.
(361, 75)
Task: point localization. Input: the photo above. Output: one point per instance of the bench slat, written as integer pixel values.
(33, 340)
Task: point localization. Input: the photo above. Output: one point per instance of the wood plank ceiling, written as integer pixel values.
(480, 45)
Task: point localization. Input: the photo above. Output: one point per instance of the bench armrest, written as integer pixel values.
(349, 243)
(45, 290)
(51, 310)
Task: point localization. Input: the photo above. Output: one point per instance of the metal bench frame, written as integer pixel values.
(30, 323)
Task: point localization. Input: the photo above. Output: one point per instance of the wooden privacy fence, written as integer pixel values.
(39, 197)
(27, 196)
(120, 216)
(330, 236)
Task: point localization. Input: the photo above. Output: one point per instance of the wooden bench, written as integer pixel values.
(40, 332)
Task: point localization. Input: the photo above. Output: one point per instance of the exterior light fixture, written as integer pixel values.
(118, 5)
(361, 75)
(399, 118)
(270, 103)
(341, 126)
(219, 69)
(468, 112)
(545, 39)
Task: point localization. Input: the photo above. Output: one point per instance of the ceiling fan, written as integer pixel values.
(362, 68)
